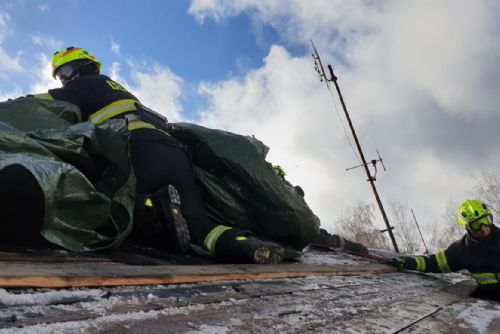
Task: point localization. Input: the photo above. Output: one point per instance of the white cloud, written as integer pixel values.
(10, 94)
(115, 73)
(115, 47)
(385, 38)
(284, 105)
(43, 7)
(4, 25)
(421, 86)
(159, 89)
(47, 42)
(9, 63)
(43, 80)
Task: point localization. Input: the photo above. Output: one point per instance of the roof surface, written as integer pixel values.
(398, 302)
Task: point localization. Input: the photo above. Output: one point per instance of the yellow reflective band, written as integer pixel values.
(421, 266)
(148, 202)
(442, 262)
(43, 96)
(241, 238)
(341, 243)
(134, 125)
(113, 109)
(486, 278)
(417, 260)
(213, 235)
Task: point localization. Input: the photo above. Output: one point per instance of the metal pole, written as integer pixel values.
(365, 165)
(421, 236)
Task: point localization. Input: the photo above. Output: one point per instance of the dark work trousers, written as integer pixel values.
(159, 160)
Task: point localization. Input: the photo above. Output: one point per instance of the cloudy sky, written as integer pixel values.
(419, 78)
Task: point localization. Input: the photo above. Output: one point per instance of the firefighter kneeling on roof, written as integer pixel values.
(169, 212)
(478, 251)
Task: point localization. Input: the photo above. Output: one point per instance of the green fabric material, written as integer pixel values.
(241, 189)
(83, 170)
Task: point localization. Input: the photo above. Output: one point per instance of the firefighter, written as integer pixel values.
(169, 211)
(478, 251)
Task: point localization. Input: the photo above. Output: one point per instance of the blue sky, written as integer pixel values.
(420, 78)
(162, 31)
(153, 31)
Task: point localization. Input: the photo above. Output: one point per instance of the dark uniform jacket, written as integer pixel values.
(480, 257)
(98, 97)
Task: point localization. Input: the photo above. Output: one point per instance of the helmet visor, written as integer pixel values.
(65, 72)
(486, 220)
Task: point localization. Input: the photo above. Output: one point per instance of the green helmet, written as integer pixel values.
(473, 214)
(278, 170)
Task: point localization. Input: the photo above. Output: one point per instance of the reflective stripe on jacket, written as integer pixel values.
(99, 98)
(480, 257)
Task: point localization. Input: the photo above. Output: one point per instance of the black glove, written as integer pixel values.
(398, 262)
(21, 97)
(355, 247)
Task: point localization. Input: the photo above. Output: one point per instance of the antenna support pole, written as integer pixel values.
(421, 236)
(365, 165)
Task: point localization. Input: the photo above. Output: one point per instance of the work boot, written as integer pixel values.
(247, 249)
(327, 240)
(167, 203)
(258, 251)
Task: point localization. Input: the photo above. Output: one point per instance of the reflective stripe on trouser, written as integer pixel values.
(486, 278)
(44, 96)
(421, 266)
(138, 124)
(213, 236)
(442, 262)
(134, 125)
(341, 243)
(113, 109)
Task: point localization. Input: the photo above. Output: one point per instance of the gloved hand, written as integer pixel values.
(356, 247)
(398, 262)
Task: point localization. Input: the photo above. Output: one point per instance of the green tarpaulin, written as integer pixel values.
(83, 172)
(77, 180)
(240, 187)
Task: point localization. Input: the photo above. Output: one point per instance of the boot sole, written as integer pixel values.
(180, 225)
(268, 255)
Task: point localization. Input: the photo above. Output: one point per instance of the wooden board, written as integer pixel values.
(75, 274)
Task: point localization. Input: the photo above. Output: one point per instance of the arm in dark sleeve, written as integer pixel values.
(442, 262)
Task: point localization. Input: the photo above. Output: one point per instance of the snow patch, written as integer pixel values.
(206, 329)
(479, 315)
(331, 258)
(86, 326)
(452, 278)
(10, 298)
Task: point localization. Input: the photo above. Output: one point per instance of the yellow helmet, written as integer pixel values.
(70, 54)
(474, 213)
(278, 170)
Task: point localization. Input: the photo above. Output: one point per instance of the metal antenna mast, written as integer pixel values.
(421, 236)
(333, 78)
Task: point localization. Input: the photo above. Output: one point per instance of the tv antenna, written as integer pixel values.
(322, 76)
(374, 164)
